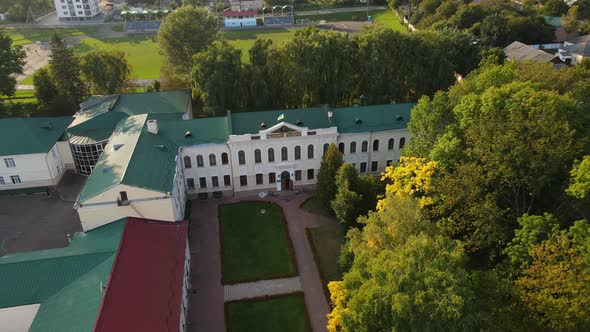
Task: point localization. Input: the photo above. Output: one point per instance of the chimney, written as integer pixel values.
(152, 126)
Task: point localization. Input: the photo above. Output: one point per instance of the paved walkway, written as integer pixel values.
(261, 288)
(206, 308)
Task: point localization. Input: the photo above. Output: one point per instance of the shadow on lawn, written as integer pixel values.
(250, 34)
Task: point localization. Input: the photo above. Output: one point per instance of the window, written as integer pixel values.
(243, 180)
(241, 157)
(376, 145)
(341, 148)
(390, 144)
(226, 180)
(272, 178)
(310, 151)
(122, 194)
(9, 162)
(224, 159)
(187, 162)
(326, 147)
(271, 155)
(310, 174)
(363, 167)
(190, 183)
(402, 142)
(364, 146)
(259, 179)
(214, 181)
(200, 162)
(212, 160)
(374, 166)
(78, 6)
(2, 180)
(284, 154)
(202, 183)
(298, 175)
(15, 179)
(297, 152)
(389, 162)
(353, 147)
(257, 156)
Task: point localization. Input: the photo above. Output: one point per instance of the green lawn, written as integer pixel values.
(254, 242)
(384, 16)
(282, 313)
(21, 36)
(26, 96)
(244, 39)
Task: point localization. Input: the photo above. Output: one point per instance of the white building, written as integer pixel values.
(77, 10)
(33, 155)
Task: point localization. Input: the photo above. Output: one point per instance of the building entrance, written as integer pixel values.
(286, 182)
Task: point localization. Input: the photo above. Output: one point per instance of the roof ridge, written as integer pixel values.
(54, 257)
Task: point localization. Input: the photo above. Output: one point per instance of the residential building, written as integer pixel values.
(141, 264)
(238, 5)
(239, 18)
(574, 51)
(520, 52)
(33, 152)
(77, 10)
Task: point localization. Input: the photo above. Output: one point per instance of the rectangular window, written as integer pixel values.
(363, 167)
(122, 196)
(272, 178)
(243, 180)
(226, 180)
(2, 180)
(374, 166)
(214, 181)
(202, 183)
(259, 179)
(9, 162)
(310, 173)
(389, 162)
(190, 183)
(297, 175)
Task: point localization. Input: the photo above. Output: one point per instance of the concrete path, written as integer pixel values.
(206, 308)
(249, 290)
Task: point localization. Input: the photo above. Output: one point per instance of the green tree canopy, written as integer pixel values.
(12, 60)
(326, 185)
(106, 72)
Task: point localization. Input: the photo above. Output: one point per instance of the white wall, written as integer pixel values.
(18, 319)
(66, 154)
(382, 155)
(207, 171)
(93, 8)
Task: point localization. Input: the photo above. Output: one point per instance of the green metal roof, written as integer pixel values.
(75, 307)
(30, 135)
(33, 277)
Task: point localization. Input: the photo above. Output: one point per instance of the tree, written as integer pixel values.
(215, 77)
(494, 31)
(580, 179)
(186, 32)
(326, 185)
(45, 90)
(554, 8)
(106, 72)
(65, 72)
(347, 201)
(533, 230)
(12, 60)
(570, 20)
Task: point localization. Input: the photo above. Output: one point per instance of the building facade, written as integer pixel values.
(77, 10)
(239, 18)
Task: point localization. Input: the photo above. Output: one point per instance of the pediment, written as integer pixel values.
(284, 129)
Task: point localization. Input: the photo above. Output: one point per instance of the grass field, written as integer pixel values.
(281, 313)
(26, 96)
(384, 16)
(21, 36)
(254, 242)
(244, 39)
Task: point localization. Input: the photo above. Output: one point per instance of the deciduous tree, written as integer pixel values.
(106, 72)
(12, 60)
(64, 67)
(326, 184)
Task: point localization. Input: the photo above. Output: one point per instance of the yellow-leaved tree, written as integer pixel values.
(337, 297)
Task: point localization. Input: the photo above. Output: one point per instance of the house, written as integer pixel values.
(33, 153)
(142, 264)
(240, 5)
(520, 52)
(239, 18)
(79, 10)
(575, 50)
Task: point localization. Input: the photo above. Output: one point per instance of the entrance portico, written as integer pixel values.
(285, 178)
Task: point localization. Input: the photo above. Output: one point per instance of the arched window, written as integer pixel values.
(310, 151)
(326, 147)
(200, 161)
(187, 162)
(341, 147)
(271, 155)
(257, 156)
(364, 146)
(402, 142)
(284, 153)
(353, 147)
(241, 157)
(390, 144)
(224, 159)
(376, 145)
(212, 160)
(297, 152)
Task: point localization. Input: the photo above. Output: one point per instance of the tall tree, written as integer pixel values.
(45, 90)
(12, 60)
(347, 201)
(326, 184)
(65, 71)
(215, 77)
(106, 72)
(580, 179)
(186, 32)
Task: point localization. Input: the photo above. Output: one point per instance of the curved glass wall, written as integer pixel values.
(86, 156)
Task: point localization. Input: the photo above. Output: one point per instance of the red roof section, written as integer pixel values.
(144, 292)
(229, 13)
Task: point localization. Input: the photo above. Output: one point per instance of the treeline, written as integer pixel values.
(484, 224)
(496, 23)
